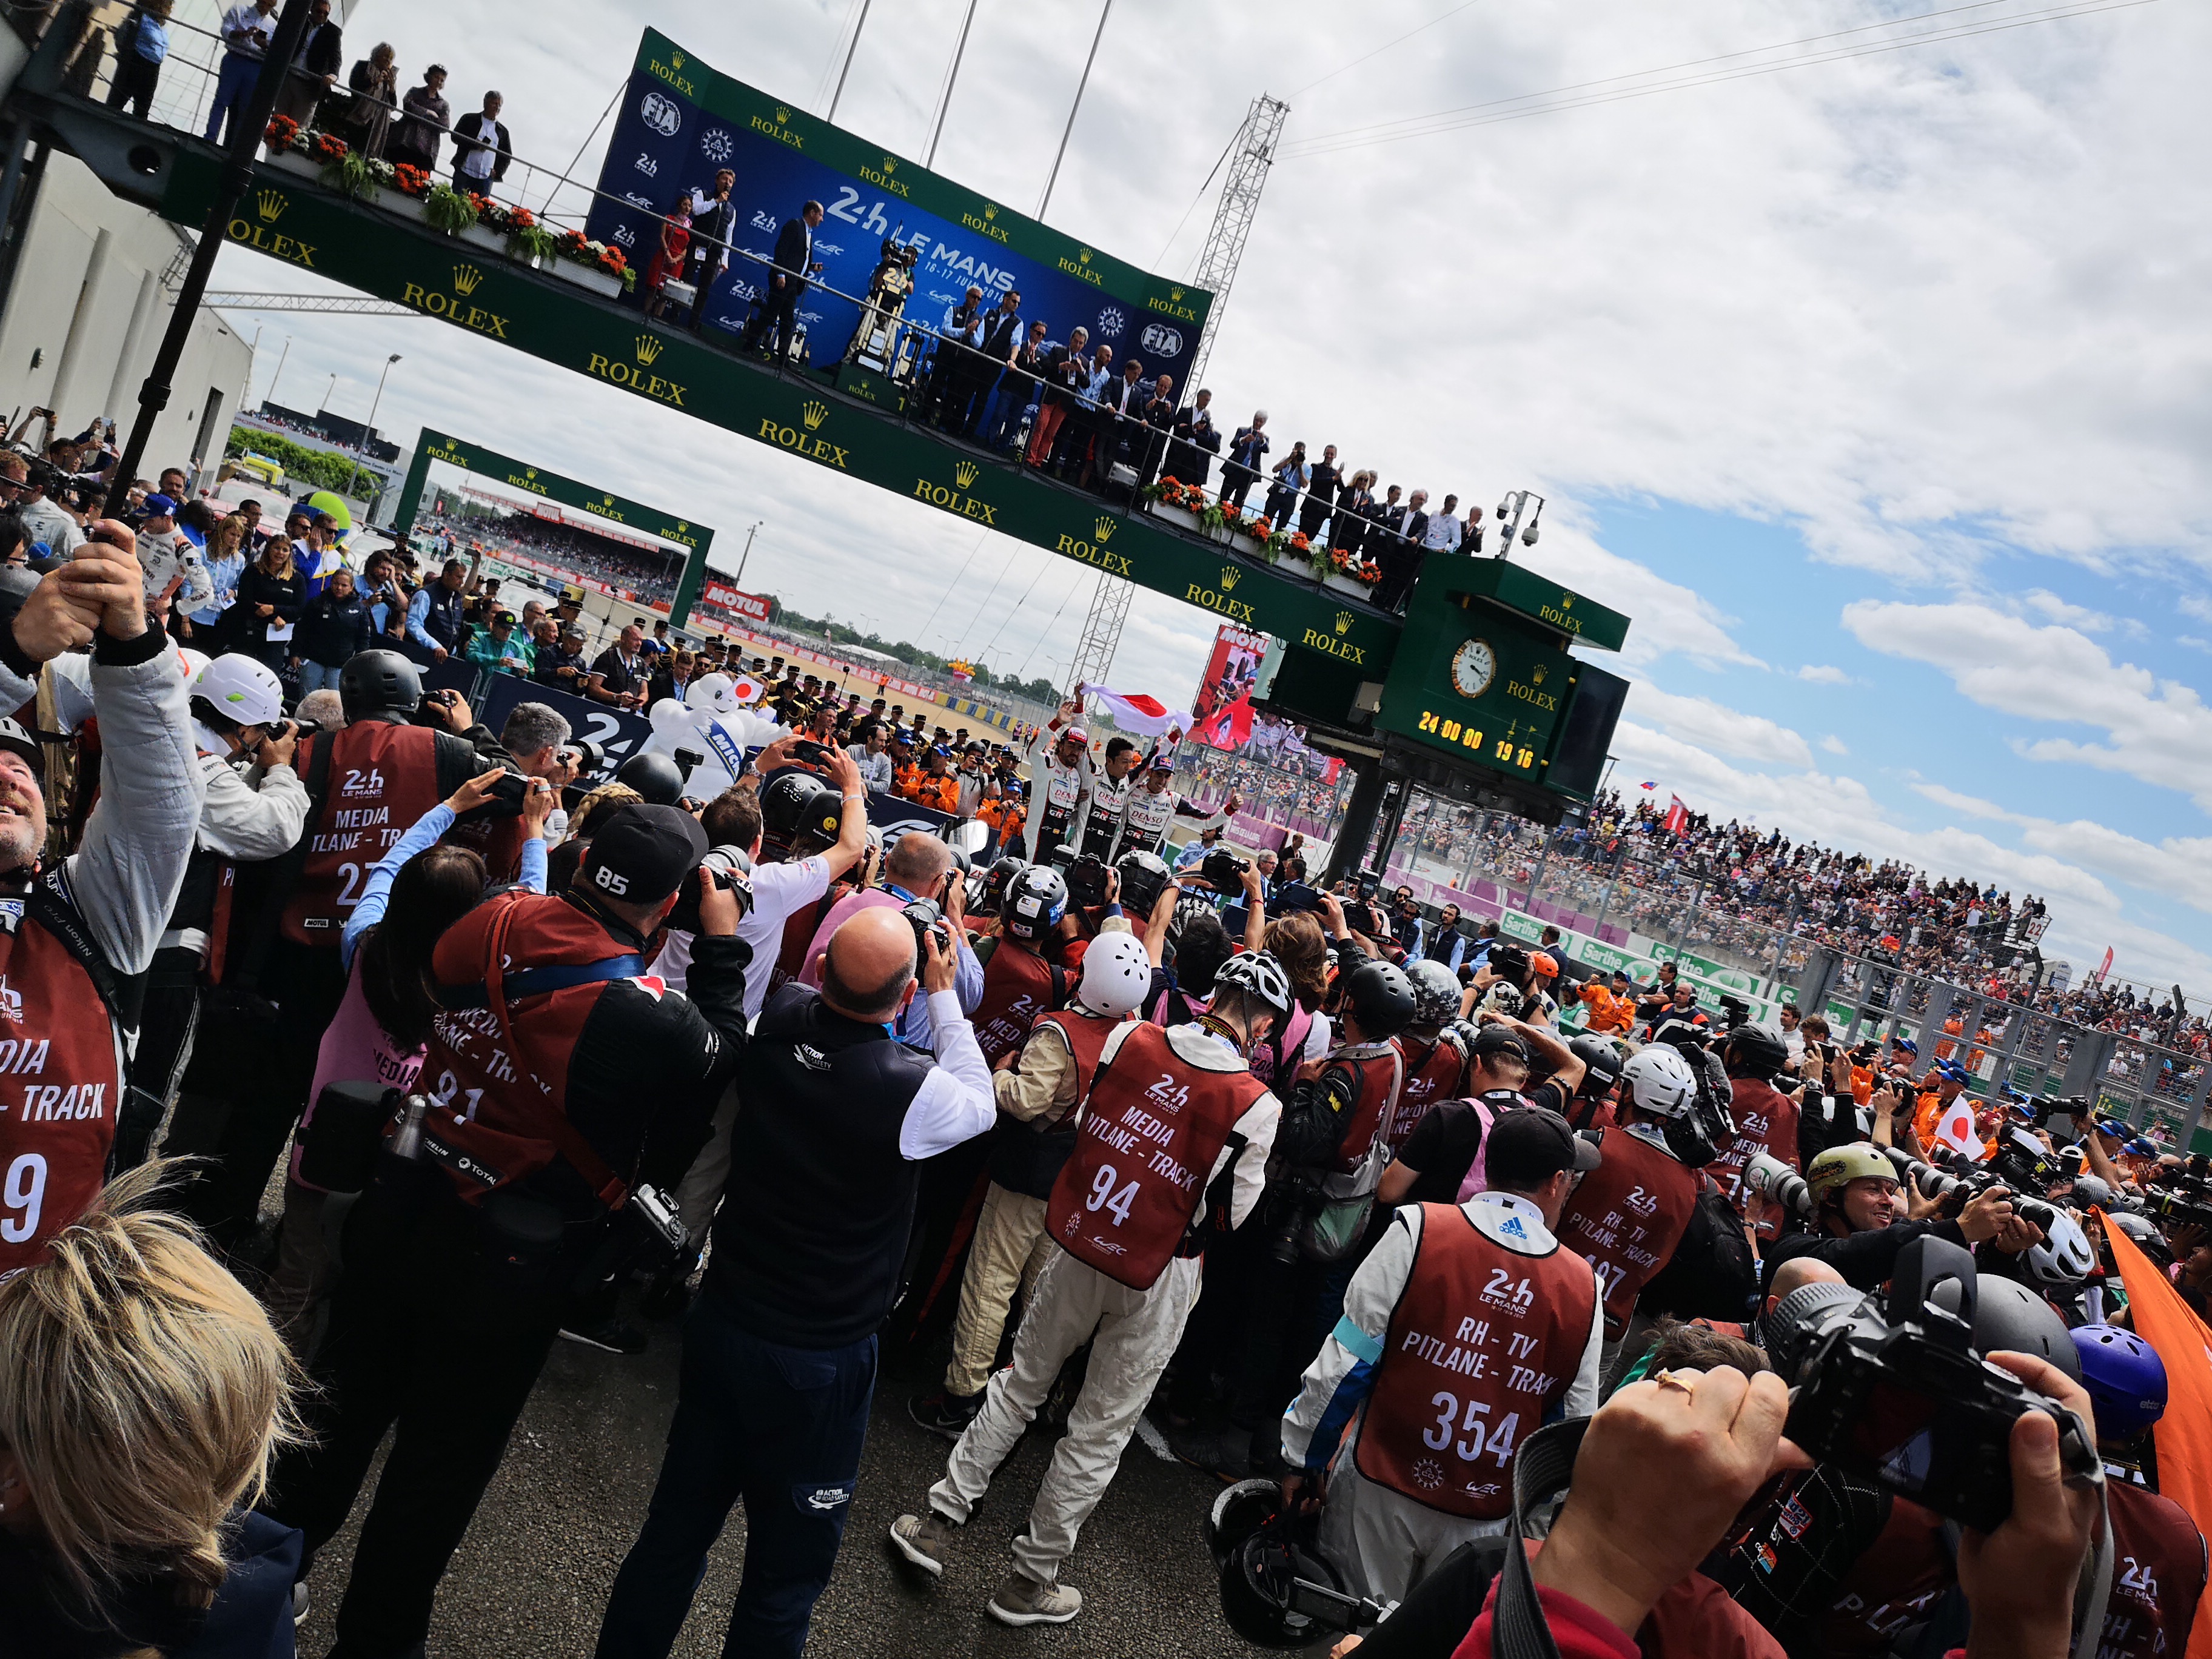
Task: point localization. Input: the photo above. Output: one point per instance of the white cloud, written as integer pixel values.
(1824, 674)
(2049, 606)
(1701, 720)
(1834, 745)
(2157, 731)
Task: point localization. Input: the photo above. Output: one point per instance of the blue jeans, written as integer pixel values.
(1006, 403)
(313, 676)
(234, 85)
(782, 1428)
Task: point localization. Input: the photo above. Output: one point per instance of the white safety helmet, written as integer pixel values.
(1116, 973)
(1658, 1080)
(242, 689)
(2063, 1259)
(190, 662)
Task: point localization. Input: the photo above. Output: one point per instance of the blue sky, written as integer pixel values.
(1891, 367)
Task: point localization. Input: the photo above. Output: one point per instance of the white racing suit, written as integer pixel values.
(1382, 1541)
(1058, 795)
(1146, 819)
(1133, 1335)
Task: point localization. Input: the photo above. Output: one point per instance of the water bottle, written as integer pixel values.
(407, 1142)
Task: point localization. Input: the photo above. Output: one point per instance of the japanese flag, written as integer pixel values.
(1955, 1128)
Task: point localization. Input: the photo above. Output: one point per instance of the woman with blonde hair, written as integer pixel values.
(142, 1393)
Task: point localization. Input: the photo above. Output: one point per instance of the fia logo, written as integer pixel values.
(662, 114)
(11, 1002)
(1161, 340)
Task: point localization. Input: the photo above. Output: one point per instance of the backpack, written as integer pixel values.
(1713, 1273)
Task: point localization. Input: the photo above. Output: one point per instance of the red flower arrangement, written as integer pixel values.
(1260, 529)
(329, 148)
(575, 243)
(412, 181)
(611, 261)
(520, 219)
(1299, 544)
(281, 132)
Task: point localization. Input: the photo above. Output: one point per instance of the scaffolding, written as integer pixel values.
(1250, 154)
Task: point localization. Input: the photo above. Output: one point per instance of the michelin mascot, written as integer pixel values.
(711, 721)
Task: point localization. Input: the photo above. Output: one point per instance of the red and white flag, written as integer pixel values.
(2104, 967)
(1677, 815)
(1955, 1128)
(1147, 717)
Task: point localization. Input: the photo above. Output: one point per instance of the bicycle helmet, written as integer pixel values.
(1546, 964)
(1836, 1168)
(655, 777)
(2124, 1378)
(1601, 1058)
(242, 689)
(378, 684)
(19, 742)
(1436, 992)
(2063, 1258)
(1658, 1080)
(1259, 975)
(1034, 902)
(1117, 974)
(793, 804)
(1381, 998)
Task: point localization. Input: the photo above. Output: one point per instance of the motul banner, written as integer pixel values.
(752, 606)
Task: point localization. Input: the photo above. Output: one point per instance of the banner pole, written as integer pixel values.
(852, 47)
(1106, 11)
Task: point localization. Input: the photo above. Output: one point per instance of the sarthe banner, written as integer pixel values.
(682, 121)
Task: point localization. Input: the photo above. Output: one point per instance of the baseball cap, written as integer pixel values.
(1164, 763)
(1537, 1138)
(159, 506)
(641, 853)
(1499, 1040)
(1076, 734)
(1950, 1070)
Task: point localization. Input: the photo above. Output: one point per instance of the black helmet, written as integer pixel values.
(1033, 902)
(796, 804)
(1758, 1049)
(1255, 1585)
(1144, 876)
(379, 683)
(1602, 1058)
(16, 740)
(1381, 997)
(995, 880)
(655, 777)
(1238, 1512)
(2008, 1316)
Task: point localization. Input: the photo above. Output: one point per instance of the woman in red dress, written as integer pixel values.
(668, 258)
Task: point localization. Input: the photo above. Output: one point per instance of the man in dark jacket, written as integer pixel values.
(794, 264)
(779, 1354)
(482, 148)
(314, 69)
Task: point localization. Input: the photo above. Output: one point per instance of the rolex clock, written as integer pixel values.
(1473, 667)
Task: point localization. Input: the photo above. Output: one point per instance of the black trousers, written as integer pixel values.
(133, 83)
(167, 1019)
(430, 1334)
(779, 318)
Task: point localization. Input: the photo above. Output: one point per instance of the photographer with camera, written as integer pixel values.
(400, 753)
(1020, 983)
(918, 871)
(563, 1078)
(1478, 1309)
(29, 483)
(1330, 1156)
(1035, 1091)
(1435, 1047)
(76, 928)
(1857, 1223)
(1130, 1214)
(1440, 1161)
(255, 810)
(1755, 1057)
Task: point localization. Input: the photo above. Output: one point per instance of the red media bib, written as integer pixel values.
(60, 1089)
(382, 778)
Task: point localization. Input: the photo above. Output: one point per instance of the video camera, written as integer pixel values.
(1896, 1392)
(1509, 962)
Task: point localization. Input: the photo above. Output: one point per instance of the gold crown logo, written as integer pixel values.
(990, 209)
(676, 59)
(529, 471)
(1566, 601)
(648, 348)
(466, 279)
(782, 113)
(1536, 675)
(271, 205)
(964, 474)
(1231, 575)
(890, 164)
(1344, 621)
(681, 527)
(813, 413)
(1174, 294)
(1103, 529)
(1083, 254)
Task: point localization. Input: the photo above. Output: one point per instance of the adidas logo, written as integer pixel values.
(1344, 621)
(270, 205)
(813, 413)
(964, 474)
(465, 278)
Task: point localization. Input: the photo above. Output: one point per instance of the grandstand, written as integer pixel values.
(569, 545)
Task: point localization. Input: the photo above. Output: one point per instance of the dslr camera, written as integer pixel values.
(648, 1221)
(730, 870)
(926, 918)
(1898, 1394)
(1086, 881)
(1769, 1176)
(1223, 870)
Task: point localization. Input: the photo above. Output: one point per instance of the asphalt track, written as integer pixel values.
(532, 1574)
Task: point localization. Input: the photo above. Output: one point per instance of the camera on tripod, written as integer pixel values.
(1896, 1392)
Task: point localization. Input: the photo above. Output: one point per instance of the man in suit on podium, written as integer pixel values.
(1399, 554)
(794, 264)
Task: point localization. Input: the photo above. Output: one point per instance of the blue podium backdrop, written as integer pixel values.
(682, 121)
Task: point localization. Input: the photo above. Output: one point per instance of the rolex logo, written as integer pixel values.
(676, 59)
(529, 471)
(890, 164)
(1231, 575)
(782, 113)
(648, 348)
(465, 278)
(270, 205)
(1103, 529)
(1344, 621)
(990, 209)
(1174, 294)
(813, 413)
(1566, 601)
(1083, 254)
(964, 474)
(1536, 675)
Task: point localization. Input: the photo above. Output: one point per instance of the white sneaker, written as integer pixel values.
(300, 1603)
(1021, 1601)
